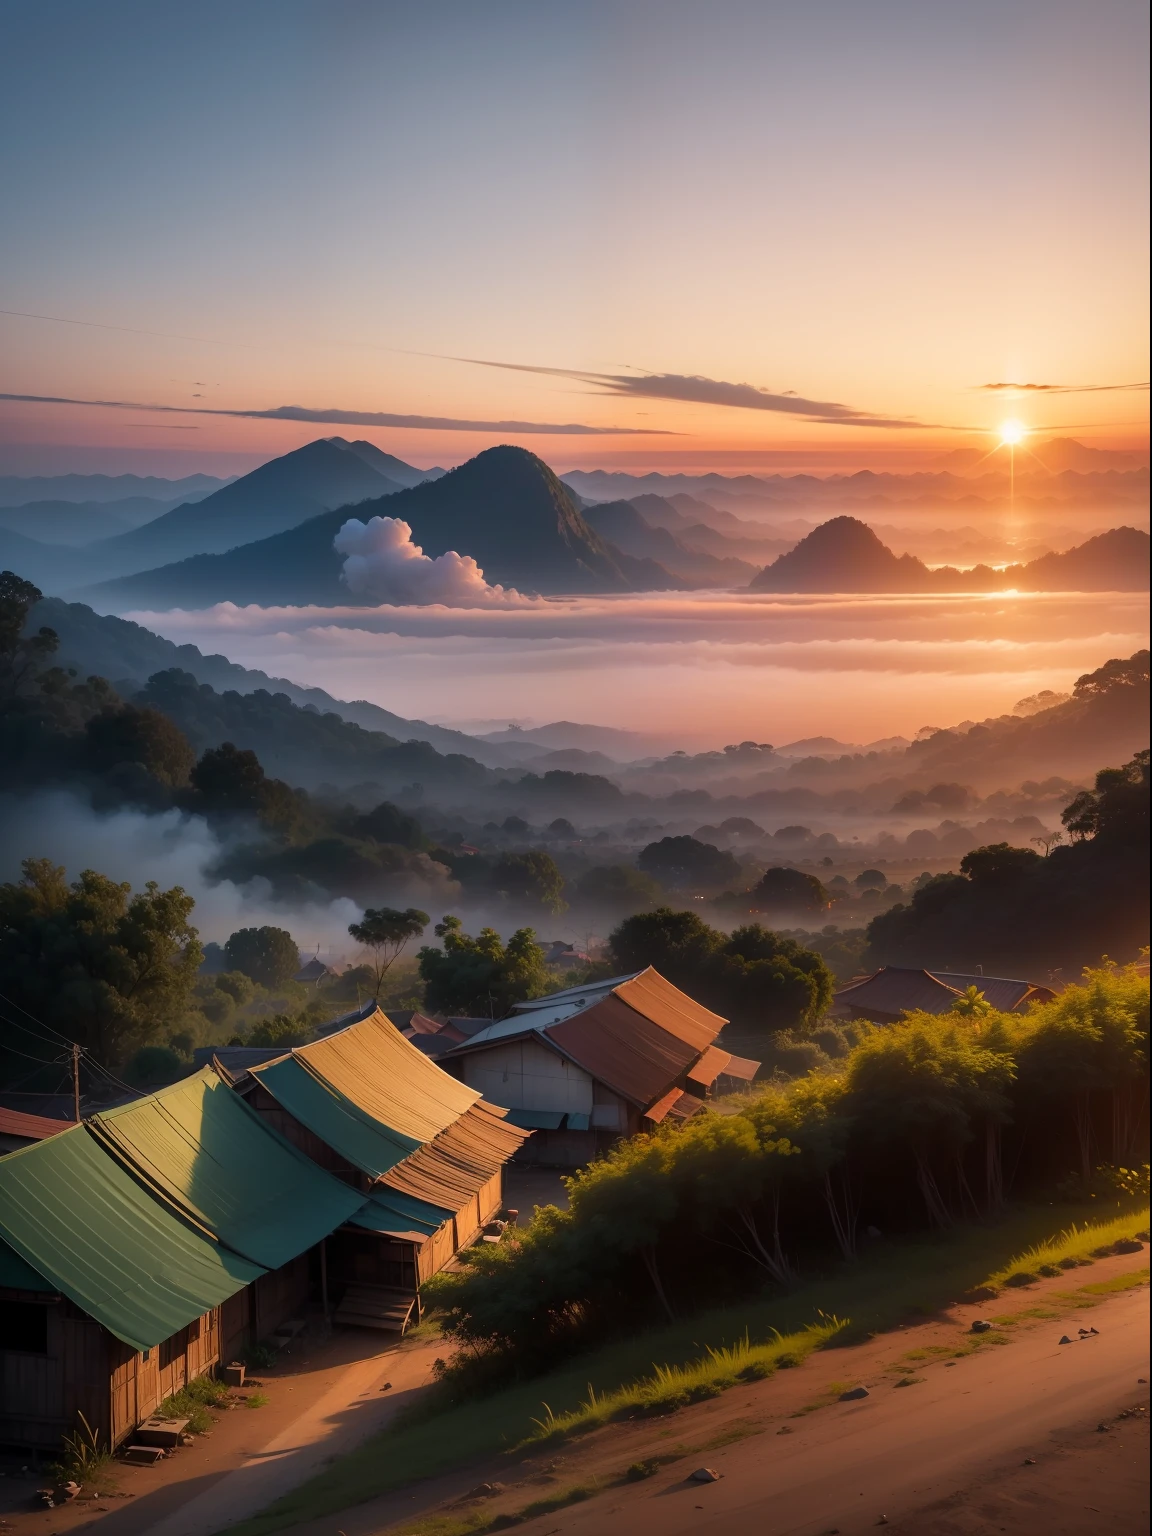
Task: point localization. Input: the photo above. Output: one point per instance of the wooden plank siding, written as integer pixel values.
(86, 1370)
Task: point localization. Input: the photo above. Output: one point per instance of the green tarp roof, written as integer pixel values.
(16, 1275)
(200, 1147)
(73, 1213)
(537, 1119)
(399, 1215)
(345, 1127)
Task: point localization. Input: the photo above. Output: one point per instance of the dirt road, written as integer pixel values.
(900, 1450)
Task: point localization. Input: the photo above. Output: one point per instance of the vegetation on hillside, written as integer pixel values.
(924, 1123)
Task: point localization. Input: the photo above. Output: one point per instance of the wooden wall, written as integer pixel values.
(87, 1370)
(523, 1074)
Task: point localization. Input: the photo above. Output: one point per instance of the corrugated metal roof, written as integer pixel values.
(344, 1126)
(681, 1015)
(235, 1059)
(588, 993)
(14, 1122)
(624, 1049)
(675, 1105)
(1000, 991)
(741, 1066)
(73, 1213)
(894, 990)
(374, 1067)
(705, 1071)
(203, 1149)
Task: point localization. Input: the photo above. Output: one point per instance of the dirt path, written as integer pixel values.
(796, 1462)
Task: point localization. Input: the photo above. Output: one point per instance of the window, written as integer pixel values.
(24, 1327)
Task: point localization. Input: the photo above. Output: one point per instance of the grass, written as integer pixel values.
(481, 1521)
(893, 1280)
(1127, 1282)
(675, 1386)
(256, 1400)
(84, 1460)
(1075, 1246)
(193, 1401)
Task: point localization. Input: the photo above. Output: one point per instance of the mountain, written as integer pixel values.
(505, 508)
(16, 490)
(80, 522)
(625, 527)
(845, 555)
(1116, 561)
(279, 495)
(388, 465)
(128, 655)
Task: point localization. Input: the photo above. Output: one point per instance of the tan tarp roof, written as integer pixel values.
(741, 1066)
(372, 1064)
(460, 1160)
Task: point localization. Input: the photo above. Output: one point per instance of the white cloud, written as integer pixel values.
(382, 562)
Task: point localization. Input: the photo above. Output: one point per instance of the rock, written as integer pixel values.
(784, 1430)
(853, 1395)
(1096, 1331)
(387, 1387)
(704, 1475)
(980, 1325)
(1029, 1461)
(1066, 1340)
(1102, 1428)
(1127, 1245)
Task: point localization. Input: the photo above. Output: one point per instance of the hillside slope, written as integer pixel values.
(625, 527)
(505, 508)
(127, 654)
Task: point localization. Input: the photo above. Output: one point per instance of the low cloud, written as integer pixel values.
(699, 390)
(382, 562)
(1058, 389)
(333, 416)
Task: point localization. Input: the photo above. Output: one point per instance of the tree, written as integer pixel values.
(20, 654)
(971, 1004)
(871, 880)
(753, 977)
(788, 893)
(388, 824)
(280, 1029)
(144, 736)
(481, 977)
(385, 931)
(685, 861)
(1128, 675)
(97, 964)
(998, 864)
(1117, 809)
(616, 890)
(531, 879)
(229, 779)
(268, 956)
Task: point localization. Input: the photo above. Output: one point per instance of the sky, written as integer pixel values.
(641, 234)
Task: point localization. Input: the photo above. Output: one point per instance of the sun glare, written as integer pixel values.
(1013, 432)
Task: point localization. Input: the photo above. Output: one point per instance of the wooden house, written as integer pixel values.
(587, 1065)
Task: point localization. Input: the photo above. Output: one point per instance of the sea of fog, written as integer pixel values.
(707, 667)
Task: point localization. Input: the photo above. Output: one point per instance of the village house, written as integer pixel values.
(157, 1240)
(892, 991)
(590, 1064)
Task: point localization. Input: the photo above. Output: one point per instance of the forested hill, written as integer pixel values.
(505, 508)
(128, 655)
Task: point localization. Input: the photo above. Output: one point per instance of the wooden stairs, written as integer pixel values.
(377, 1306)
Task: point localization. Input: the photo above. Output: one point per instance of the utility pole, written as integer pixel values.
(76, 1080)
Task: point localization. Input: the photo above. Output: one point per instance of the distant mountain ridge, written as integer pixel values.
(845, 555)
(16, 490)
(624, 525)
(504, 507)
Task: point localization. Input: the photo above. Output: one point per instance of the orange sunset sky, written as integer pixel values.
(862, 215)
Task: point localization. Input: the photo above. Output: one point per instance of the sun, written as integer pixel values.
(1012, 432)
